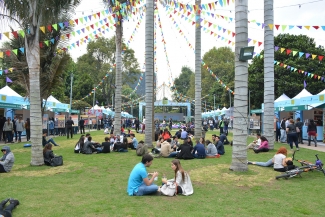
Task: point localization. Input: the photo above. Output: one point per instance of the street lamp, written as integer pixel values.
(71, 78)
(246, 53)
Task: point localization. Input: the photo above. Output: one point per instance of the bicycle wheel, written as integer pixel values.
(285, 175)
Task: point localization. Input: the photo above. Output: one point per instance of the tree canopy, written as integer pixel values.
(285, 80)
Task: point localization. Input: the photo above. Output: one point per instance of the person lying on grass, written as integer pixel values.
(139, 183)
(281, 162)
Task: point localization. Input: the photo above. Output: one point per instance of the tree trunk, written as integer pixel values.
(268, 122)
(198, 76)
(118, 79)
(239, 153)
(149, 73)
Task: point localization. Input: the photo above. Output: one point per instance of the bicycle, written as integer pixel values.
(305, 167)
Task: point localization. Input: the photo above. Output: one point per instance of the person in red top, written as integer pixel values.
(166, 134)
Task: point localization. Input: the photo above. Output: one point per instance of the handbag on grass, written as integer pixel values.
(169, 189)
(57, 161)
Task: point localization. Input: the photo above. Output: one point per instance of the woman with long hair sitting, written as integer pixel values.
(281, 162)
(182, 179)
(79, 145)
(48, 154)
(264, 147)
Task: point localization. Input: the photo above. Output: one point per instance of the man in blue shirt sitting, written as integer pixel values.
(184, 134)
(139, 184)
(134, 143)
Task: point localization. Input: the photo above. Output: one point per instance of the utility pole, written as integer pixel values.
(94, 97)
(214, 102)
(229, 99)
(71, 77)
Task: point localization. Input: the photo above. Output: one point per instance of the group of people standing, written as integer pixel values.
(290, 131)
(13, 129)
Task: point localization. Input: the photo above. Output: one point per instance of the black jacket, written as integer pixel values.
(69, 123)
(186, 152)
(48, 156)
(106, 147)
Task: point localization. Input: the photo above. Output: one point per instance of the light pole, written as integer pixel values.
(71, 78)
(229, 99)
(214, 102)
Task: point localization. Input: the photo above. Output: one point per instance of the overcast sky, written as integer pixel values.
(288, 12)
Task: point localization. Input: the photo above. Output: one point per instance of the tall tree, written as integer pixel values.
(198, 90)
(149, 72)
(239, 150)
(34, 13)
(182, 82)
(285, 80)
(268, 122)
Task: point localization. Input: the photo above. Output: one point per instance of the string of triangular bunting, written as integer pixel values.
(204, 64)
(300, 71)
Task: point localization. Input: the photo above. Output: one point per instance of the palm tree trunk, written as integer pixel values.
(118, 79)
(268, 123)
(149, 59)
(239, 153)
(198, 76)
(33, 61)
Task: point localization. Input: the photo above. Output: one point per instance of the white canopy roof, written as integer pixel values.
(303, 93)
(6, 90)
(224, 109)
(96, 107)
(52, 99)
(282, 98)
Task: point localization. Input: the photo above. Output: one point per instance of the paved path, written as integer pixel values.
(320, 146)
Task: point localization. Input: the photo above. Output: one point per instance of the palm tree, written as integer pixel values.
(33, 14)
(198, 75)
(239, 153)
(149, 72)
(268, 122)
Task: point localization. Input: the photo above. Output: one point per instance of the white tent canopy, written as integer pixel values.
(6, 90)
(282, 98)
(96, 107)
(323, 92)
(52, 99)
(303, 93)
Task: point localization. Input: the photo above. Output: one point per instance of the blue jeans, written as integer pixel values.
(293, 138)
(173, 154)
(198, 156)
(145, 190)
(19, 135)
(52, 141)
(9, 136)
(265, 164)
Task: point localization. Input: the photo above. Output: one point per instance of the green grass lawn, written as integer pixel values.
(95, 185)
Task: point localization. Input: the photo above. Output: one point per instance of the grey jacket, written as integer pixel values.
(8, 127)
(7, 161)
(20, 126)
(212, 150)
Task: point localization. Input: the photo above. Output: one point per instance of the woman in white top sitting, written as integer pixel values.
(184, 184)
(281, 162)
(79, 145)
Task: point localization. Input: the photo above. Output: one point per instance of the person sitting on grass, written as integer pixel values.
(166, 150)
(185, 151)
(79, 145)
(139, 184)
(134, 144)
(106, 146)
(219, 146)
(256, 143)
(7, 211)
(166, 134)
(7, 160)
(223, 139)
(45, 141)
(48, 154)
(121, 146)
(281, 163)
(199, 149)
(184, 184)
(86, 138)
(89, 147)
(264, 147)
(211, 151)
(142, 149)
